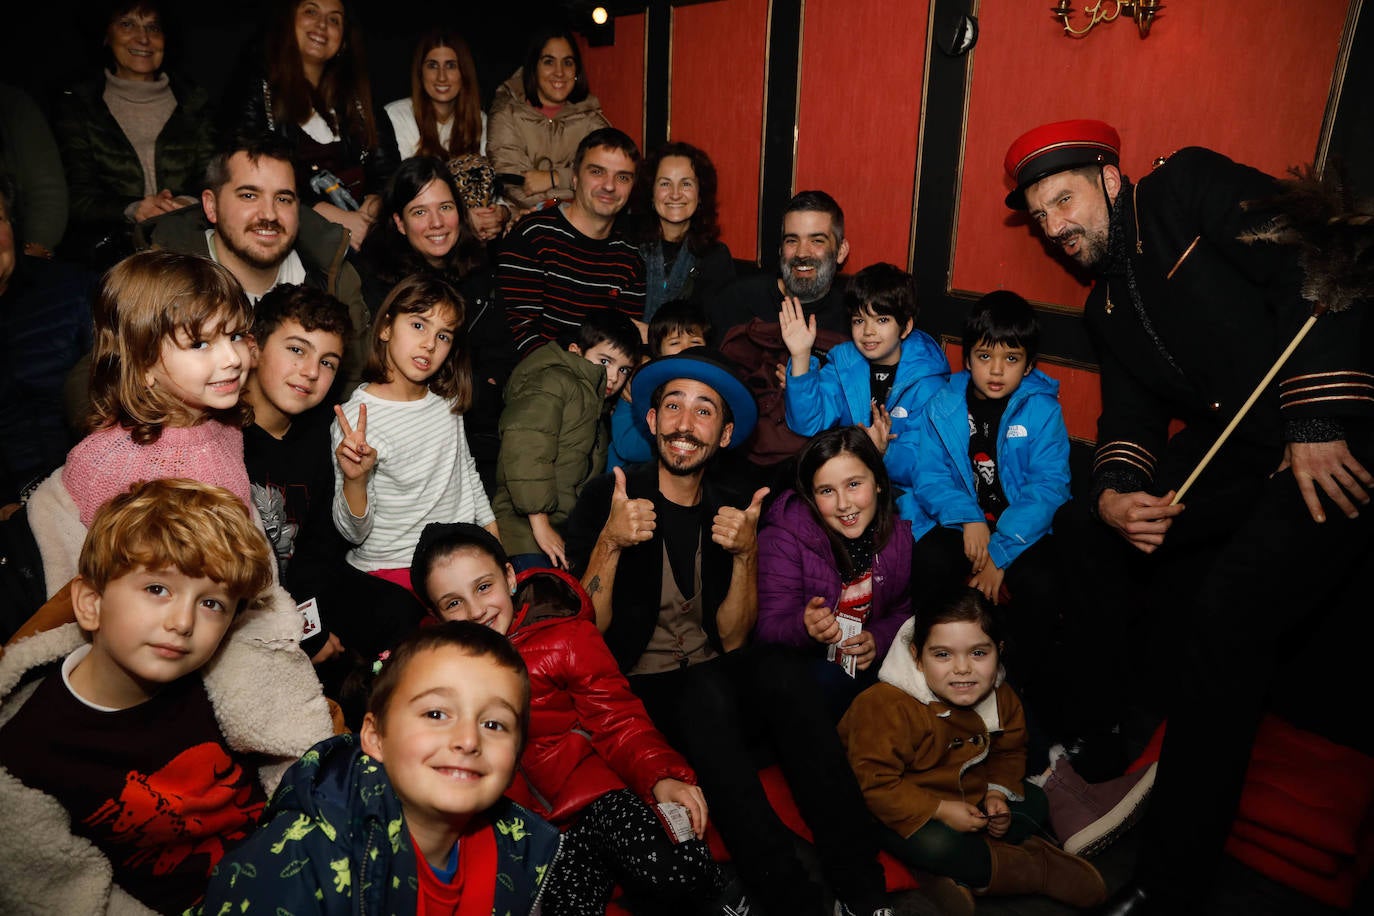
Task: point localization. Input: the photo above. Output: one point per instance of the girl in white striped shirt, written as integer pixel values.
(402, 456)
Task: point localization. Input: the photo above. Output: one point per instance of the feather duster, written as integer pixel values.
(1333, 229)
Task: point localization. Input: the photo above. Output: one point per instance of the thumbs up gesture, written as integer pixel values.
(736, 529)
(631, 521)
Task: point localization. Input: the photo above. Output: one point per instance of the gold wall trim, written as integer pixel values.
(1049, 308)
(672, 44)
(797, 102)
(969, 58)
(644, 84)
(920, 144)
(1333, 98)
(763, 131)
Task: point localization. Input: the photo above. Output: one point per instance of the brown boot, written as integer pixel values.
(949, 896)
(1036, 867)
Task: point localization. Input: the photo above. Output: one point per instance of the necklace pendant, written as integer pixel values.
(1110, 305)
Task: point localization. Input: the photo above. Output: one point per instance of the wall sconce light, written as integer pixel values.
(1142, 11)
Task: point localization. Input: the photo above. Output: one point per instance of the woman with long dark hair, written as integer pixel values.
(443, 117)
(313, 89)
(676, 227)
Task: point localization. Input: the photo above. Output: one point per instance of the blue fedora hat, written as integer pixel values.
(704, 365)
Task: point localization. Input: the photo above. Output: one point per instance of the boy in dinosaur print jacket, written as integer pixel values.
(407, 816)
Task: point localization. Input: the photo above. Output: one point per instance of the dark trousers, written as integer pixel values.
(368, 614)
(1263, 597)
(713, 713)
(1119, 604)
(964, 856)
(619, 838)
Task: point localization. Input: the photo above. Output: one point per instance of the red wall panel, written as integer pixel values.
(718, 68)
(1248, 78)
(616, 74)
(860, 115)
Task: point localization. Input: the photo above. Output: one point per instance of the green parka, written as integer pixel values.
(552, 441)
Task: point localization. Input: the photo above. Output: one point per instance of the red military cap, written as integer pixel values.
(1052, 148)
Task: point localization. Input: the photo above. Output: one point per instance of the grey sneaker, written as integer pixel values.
(1088, 817)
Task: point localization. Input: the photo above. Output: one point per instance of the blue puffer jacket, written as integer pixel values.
(334, 841)
(837, 394)
(1032, 463)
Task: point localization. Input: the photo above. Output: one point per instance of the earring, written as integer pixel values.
(512, 592)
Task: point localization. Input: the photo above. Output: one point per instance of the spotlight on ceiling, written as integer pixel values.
(598, 26)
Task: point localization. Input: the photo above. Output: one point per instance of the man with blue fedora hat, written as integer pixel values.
(670, 559)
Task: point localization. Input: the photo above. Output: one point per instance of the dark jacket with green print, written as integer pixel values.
(334, 841)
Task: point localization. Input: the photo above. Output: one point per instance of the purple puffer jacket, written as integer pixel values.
(796, 564)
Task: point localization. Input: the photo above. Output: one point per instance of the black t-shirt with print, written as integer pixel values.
(880, 380)
(984, 417)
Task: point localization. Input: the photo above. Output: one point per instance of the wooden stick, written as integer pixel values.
(1245, 408)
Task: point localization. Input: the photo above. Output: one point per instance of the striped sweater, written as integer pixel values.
(424, 474)
(553, 278)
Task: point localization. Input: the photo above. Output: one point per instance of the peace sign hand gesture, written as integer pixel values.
(355, 457)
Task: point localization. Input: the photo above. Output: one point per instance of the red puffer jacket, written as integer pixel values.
(588, 733)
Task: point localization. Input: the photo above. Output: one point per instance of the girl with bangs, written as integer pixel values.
(402, 454)
(835, 565)
(167, 371)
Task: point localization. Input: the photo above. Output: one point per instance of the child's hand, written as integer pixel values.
(988, 581)
(820, 622)
(798, 333)
(863, 647)
(737, 529)
(689, 796)
(549, 540)
(999, 814)
(961, 816)
(976, 536)
(332, 646)
(355, 457)
(631, 521)
(780, 373)
(881, 430)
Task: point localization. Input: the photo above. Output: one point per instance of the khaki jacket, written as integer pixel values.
(520, 137)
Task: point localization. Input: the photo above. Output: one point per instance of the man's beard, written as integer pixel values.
(809, 290)
(255, 256)
(690, 464)
(1092, 248)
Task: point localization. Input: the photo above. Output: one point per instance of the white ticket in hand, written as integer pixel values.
(676, 820)
(849, 626)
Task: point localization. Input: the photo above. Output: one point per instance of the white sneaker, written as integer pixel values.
(841, 909)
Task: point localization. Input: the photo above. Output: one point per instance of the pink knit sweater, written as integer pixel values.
(108, 462)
